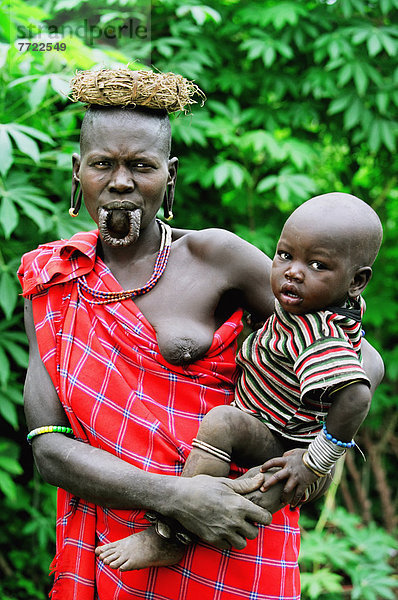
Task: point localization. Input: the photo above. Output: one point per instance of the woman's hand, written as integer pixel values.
(292, 470)
(214, 509)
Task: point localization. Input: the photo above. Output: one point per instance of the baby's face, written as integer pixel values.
(310, 271)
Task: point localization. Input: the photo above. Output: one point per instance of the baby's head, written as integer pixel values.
(325, 253)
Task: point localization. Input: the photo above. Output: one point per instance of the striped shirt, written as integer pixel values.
(290, 366)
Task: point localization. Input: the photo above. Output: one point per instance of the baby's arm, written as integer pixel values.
(300, 469)
(343, 420)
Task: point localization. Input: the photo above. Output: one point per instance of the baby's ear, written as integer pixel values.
(359, 281)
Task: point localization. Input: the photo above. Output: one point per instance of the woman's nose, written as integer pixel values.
(294, 272)
(122, 181)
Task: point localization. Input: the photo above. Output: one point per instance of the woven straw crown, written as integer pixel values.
(124, 87)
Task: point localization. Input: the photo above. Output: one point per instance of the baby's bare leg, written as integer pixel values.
(247, 440)
(240, 435)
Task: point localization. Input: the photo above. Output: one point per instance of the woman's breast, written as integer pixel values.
(183, 342)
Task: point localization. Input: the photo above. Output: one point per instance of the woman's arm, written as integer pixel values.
(206, 506)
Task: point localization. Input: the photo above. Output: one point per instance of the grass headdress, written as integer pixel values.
(124, 87)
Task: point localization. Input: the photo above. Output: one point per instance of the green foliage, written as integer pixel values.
(302, 99)
(347, 556)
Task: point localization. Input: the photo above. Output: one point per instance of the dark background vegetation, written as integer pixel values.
(302, 99)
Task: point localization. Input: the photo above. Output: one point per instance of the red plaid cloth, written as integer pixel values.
(122, 396)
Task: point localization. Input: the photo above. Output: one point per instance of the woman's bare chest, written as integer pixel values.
(186, 306)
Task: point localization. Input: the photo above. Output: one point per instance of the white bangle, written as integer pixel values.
(323, 454)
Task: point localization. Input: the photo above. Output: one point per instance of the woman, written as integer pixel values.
(133, 378)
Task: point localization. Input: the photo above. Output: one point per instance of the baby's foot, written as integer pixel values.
(141, 550)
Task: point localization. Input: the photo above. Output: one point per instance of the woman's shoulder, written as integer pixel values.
(214, 241)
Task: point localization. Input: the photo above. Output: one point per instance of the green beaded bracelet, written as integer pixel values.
(49, 429)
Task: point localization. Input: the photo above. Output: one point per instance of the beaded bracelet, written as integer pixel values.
(336, 441)
(48, 429)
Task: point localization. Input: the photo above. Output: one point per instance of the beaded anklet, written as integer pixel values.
(49, 429)
(169, 529)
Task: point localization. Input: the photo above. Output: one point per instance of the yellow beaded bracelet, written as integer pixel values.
(49, 429)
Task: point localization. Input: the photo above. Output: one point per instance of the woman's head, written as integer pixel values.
(124, 169)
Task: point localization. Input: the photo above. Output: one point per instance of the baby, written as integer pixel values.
(302, 393)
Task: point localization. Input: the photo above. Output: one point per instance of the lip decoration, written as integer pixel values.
(119, 223)
(119, 205)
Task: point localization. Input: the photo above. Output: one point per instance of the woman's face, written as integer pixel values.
(125, 168)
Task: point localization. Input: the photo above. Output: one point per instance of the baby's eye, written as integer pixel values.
(284, 255)
(317, 265)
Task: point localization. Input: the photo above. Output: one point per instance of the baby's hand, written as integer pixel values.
(292, 468)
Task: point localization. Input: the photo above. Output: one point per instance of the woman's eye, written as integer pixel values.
(102, 163)
(142, 165)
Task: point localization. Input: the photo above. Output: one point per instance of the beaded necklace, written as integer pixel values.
(101, 297)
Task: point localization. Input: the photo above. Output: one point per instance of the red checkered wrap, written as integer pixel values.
(122, 396)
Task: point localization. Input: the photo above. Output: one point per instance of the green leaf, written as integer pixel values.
(8, 411)
(353, 114)
(382, 101)
(18, 353)
(390, 45)
(7, 486)
(10, 465)
(4, 367)
(38, 91)
(228, 171)
(387, 135)
(269, 56)
(345, 74)
(374, 45)
(9, 217)
(267, 183)
(35, 133)
(6, 158)
(360, 78)
(8, 294)
(25, 144)
(375, 136)
(339, 104)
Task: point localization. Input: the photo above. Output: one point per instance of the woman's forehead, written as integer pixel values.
(124, 129)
